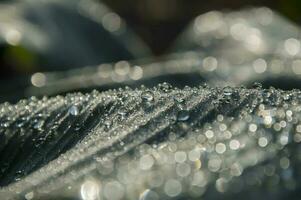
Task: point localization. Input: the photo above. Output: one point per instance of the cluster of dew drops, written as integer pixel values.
(256, 148)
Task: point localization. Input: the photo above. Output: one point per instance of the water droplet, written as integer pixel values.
(234, 144)
(228, 91)
(165, 87)
(5, 124)
(39, 124)
(180, 156)
(179, 98)
(147, 96)
(114, 190)
(146, 162)
(122, 113)
(183, 169)
(29, 196)
(183, 115)
(284, 163)
(108, 125)
(252, 127)
(257, 85)
(173, 187)
(209, 134)
(220, 148)
(73, 110)
(90, 190)
(220, 185)
(263, 142)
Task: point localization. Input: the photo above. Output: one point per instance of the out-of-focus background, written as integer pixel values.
(156, 22)
(159, 22)
(38, 37)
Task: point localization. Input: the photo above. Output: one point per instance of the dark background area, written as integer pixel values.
(158, 22)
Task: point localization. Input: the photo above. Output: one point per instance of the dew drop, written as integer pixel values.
(220, 148)
(114, 190)
(108, 125)
(209, 134)
(147, 96)
(234, 144)
(122, 113)
(220, 185)
(257, 85)
(179, 98)
(228, 91)
(183, 169)
(90, 190)
(73, 110)
(29, 196)
(39, 124)
(172, 188)
(5, 124)
(263, 142)
(183, 115)
(146, 162)
(164, 87)
(180, 156)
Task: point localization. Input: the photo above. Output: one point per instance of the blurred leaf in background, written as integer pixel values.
(159, 22)
(55, 35)
(58, 35)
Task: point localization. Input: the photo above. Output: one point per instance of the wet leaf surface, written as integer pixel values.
(153, 143)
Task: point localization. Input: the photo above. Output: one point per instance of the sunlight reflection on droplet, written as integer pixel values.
(146, 162)
(73, 110)
(214, 164)
(263, 142)
(296, 66)
(183, 169)
(136, 73)
(277, 66)
(267, 120)
(292, 46)
(264, 15)
(172, 187)
(220, 184)
(252, 127)
(29, 196)
(38, 79)
(254, 43)
(260, 65)
(220, 148)
(239, 31)
(13, 37)
(234, 144)
(209, 134)
(284, 163)
(194, 155)
(208, 22)
(114, 190)
(210, 63)
(90, 190)
(111, 22)
(122, 68)
(180, 156)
